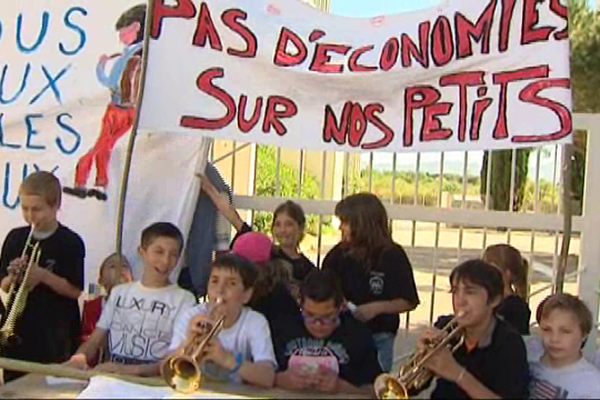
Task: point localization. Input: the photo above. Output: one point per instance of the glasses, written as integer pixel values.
(323, 320)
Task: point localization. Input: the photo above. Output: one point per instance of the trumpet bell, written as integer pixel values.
(388, 387)
(182, 374)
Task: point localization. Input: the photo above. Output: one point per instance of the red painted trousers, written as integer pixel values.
(115, 123)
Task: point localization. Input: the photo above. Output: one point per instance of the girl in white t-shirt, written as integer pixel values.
(561, 371)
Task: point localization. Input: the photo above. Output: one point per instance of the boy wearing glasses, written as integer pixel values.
(324, 349)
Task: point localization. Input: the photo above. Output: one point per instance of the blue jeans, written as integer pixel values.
(384, 342)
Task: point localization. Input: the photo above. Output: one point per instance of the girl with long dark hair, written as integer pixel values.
(374, 271)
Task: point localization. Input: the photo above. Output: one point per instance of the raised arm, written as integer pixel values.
(221, 202)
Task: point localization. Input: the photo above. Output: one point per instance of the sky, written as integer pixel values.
(371, 8)
(454, 161)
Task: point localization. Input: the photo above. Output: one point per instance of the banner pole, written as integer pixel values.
(134, 130)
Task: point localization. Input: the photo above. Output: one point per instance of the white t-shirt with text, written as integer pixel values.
(249, 335)
(140, 320)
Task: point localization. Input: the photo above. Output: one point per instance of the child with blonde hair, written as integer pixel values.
(561, 371)
(514, 268)
(50, 325)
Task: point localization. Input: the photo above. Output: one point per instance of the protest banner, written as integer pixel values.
(68, 77)
(462, 76)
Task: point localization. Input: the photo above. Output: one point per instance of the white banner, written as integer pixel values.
(67, 77)
(470, 74)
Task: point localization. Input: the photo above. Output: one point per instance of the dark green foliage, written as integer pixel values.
(501, 176)
(266, 176)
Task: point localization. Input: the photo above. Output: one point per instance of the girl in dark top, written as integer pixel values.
(513, 308)
(374, 272)
(288, 230)
(272, 291)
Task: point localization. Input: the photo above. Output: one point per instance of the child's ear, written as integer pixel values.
(495, 301)
(248, 295)
(140, 250)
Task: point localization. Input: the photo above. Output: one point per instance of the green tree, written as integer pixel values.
(584, 34)
(500, 178)
(289, 177)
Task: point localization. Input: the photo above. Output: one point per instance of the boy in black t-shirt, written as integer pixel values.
(50, 326)
(324, 349)
(492, 360)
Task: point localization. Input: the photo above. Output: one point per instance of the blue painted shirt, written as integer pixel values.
(113, 79)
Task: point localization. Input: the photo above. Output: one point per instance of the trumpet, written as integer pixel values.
(413, 375)
(16, 298)
(181, 371)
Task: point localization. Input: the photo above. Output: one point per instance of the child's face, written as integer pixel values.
(38, 212)
(160, 257)
(286, 230)
(227, 284)
(472, 301)
(129, 34)
(113, 274)
(562, 336)
(320, 318)
(346, 231)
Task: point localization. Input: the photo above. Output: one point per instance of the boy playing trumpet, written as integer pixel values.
(491, 362)
(49, 327)
(242, 350)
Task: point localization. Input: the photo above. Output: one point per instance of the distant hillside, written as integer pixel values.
(453, 162)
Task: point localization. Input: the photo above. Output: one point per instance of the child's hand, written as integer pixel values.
(428, 336)
(103, 59)
(78, 361)
(36, 276)
(365, 312)
(295, 378)
(198, 326)
(220, 200)
(215, 352)
(442, 363)
(325, 380)
(14, 268)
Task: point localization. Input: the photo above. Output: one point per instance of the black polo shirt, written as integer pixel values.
(389, 278)
(499, 362)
